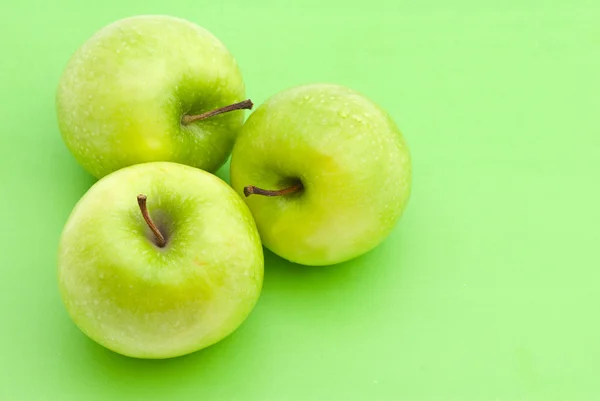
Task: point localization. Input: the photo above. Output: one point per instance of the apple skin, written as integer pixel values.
(123, 94)
(351, 159)
(143, 301)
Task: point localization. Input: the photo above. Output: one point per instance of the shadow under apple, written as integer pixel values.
(124, 374)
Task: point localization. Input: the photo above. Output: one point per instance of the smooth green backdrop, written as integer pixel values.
(489, 288)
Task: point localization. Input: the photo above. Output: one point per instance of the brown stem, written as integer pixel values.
(160, 240)
(252, 190)
(245, 104)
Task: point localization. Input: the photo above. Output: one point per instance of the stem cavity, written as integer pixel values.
(160, 239)
(245, 104)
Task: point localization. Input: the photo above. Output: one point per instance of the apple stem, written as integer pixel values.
(245, 104)
(252, 190)
(160, 240)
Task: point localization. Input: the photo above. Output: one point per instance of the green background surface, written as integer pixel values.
(488, 289)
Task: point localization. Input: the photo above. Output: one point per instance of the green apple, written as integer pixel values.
(165, 278)
(334, 167)
(149, 88)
